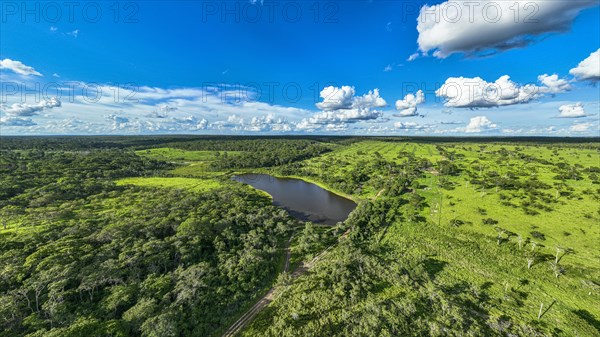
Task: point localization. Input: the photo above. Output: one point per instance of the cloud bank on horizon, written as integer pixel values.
(435, 89)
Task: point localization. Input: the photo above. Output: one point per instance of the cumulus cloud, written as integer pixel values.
(462, 92)
(487, 26)
(336, 98)
(16, 121)
(268, 123)
(117, 122)
(191, 123)
(341, 106)
(18, 67)
(336, 127)
(572, 111)
(552, 84)
(588, 69)
(24, 109)
(368, 101)
(408, 106)
(409, 126)
(581, 127)
(264, 123)
(344, 116)
(480, 124)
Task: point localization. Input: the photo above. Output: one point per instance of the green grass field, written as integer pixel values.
(559, 214)
(192, 184)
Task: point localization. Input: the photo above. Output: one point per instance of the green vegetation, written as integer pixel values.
(177, 155)
(484, 236)
(83, 256)
(196, 185)
(142, 236)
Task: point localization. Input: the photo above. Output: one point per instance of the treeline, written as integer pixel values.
(257, 153)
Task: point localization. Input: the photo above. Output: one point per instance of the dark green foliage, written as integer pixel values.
(538, 235)
(489, 221)
(88, 258)
(257, 152)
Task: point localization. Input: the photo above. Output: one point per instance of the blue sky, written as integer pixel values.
(354, 67)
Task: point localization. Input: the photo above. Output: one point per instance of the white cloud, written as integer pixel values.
(162, 111)
(553, 85)
(159, 110)
(18, 67)
(479, 124)
(53, 29)
(476, 27)
(408, 106)
(368, 101)
(571, 111)
(344, 116)
(541, 131)
(409, 126)
(412, 57)
(581, 127)
(388, 68)
(56, 75)
(191, 123)
(462, 92)
(343, 98)
(588, 69)
(336, 98)
(268, 123)
(117, 122)
(16, 121)
(341, 106)
(265, 123)
(336, 127)
(24, 109)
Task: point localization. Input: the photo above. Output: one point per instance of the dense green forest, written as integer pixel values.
(149, 236)
(82, 256)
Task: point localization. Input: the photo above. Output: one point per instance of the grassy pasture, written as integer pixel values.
(562, 212)
(192, 184)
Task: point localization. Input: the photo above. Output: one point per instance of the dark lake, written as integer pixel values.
(301, 199)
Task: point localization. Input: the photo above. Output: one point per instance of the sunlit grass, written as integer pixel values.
(192, 184)
(470, 253)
